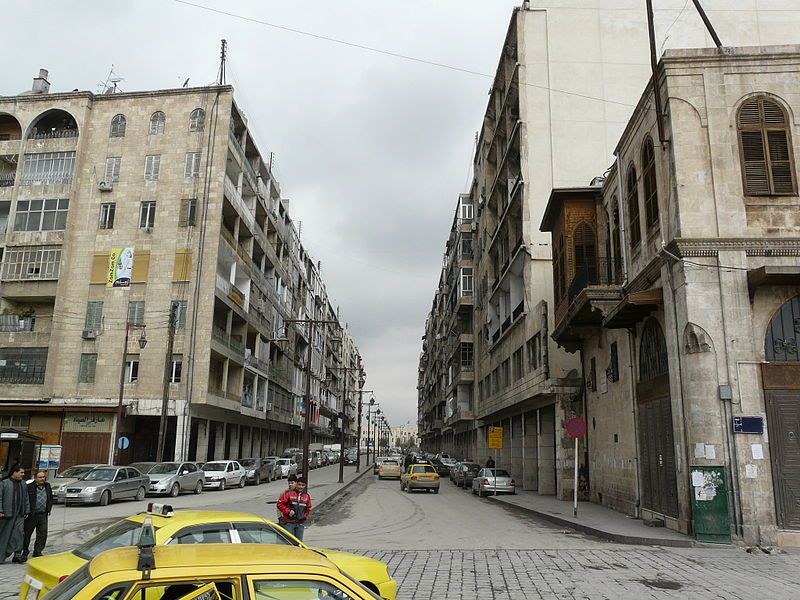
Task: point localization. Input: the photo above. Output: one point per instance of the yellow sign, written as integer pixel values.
(495, 438)
(120, 267)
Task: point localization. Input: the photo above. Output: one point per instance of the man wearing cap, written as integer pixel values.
(295, 507)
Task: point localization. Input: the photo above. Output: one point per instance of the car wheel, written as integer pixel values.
(436, 491)
(241, 482)
(175, 490)
(222, 486)
(198, 489)
(258, 479)
(105, 498)
(140, 493)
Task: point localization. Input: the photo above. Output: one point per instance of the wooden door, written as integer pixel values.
(783, 414)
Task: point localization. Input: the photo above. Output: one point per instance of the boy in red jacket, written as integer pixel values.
(295, 507)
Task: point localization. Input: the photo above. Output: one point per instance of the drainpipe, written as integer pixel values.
(631, 357)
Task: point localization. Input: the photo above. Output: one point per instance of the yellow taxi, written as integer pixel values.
(420, 477)
(390, 468)
(210, 572)
(193, 527)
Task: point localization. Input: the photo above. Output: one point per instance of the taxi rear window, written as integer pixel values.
(390, 462)
(424, 469)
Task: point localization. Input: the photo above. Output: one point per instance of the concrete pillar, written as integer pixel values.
(202, 440)
(547, 450)
(530, 452)
(182, 431)
(516, 444)
(234, 442)
(219, 447)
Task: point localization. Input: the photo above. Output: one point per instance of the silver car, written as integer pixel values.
(493, 481)
(219, 474)
(68, 476)
(172, 478)
(105, 483)
(286, 466)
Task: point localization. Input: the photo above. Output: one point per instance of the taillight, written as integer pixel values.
(435, 477)
(414, 477)
(62, 578)
(513, 483)
(485, 482)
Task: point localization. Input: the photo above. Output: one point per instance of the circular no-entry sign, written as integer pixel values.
(576, 427)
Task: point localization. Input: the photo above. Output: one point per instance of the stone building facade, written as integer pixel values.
(173, 181)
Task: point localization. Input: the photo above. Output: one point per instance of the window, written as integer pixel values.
(585, 255)
(467, 212)
(765, 148)
(41, 215)
(188, 216)
(255, 533)
(94, 316)
(616, 241)
(136, 312)
(147, 215)
(632, 197)
(49, 168)
(305, 589)
(113, 165)
(118, 125)
(505, 380)
(653, 360)
(649, 184)
(613, 369)
(466, 356)
(32, 262)
(180, 314)
(132, 369)
(592, 383)
(533, 352)
(107, 212)
(152, 167)
(88, 368)
(466, 281)
(559, 266)
(783, 334)
(157, 123)
(197, 119)
(518, 364)
(23, 365)
(177, 368)
(192, 165)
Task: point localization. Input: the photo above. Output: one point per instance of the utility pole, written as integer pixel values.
(162, 423)
(223, 56)
(307, 420)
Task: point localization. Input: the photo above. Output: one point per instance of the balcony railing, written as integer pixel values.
(257, 363)
(52, 178)
(248, 167)
(604, 272)
(54, 134)
(231, 291)
(14, 324)
(7, 179)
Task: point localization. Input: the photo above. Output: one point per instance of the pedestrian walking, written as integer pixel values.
(295, 506)
(14, 508)
(410, 460)
(292, 481)
(40, 500)
(490, 463)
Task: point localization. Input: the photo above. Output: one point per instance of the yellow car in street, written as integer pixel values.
(420, 477)
(193, 527)
(210, 572)
(390, 468)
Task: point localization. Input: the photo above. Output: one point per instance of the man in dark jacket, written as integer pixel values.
(490, 463)
(295, 506)
(40, 499)
(13, 510)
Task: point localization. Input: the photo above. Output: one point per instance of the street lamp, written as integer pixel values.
(142, 344)
(375, 436)
(362, 379)
(369, 425)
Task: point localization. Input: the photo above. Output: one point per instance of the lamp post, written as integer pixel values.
(118, 420)
(375, 435)
(369, 426)
(361, 381)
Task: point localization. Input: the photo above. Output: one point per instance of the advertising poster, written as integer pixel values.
(120, 268)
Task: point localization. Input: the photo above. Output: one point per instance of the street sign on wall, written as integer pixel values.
(495, 438)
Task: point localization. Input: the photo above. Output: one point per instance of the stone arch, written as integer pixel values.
(653, 358)
(53, 123)
(696, 339)
(10, 128)
(782, 338)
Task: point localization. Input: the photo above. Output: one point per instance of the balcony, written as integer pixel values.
(51, 178)
(247, 167)
(232, 292)
(15, 324)
(256, 363)
(54, 134)
(7, 179)
(233, 343)
(236, 200)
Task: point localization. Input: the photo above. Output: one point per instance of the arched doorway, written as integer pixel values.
(781, 377)
(656, 436)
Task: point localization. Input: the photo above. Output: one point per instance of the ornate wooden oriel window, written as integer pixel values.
(765, 148)
(649, 183)
(584, 248)
(783, 333)
(653, 360)
(632, 202)
(560, 267)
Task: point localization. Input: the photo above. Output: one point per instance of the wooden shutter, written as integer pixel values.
(765, 144)
(780, 161)
(94, 316)
(182, 269)
(141, 267)
(99, 268)
(136, 312)
(754, 161)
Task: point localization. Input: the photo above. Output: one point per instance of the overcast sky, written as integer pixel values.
(371, 149)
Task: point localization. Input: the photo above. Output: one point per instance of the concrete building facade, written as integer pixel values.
(147, 211)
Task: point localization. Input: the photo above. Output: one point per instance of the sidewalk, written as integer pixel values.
(595, 520)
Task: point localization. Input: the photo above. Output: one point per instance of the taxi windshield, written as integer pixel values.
(100, 475)
(168, 468)
(214, 466)
(122, 533)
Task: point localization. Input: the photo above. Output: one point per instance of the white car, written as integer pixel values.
(286, 466)
(219, 474)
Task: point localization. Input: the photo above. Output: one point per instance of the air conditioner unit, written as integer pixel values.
(89, 334)
(105, 186)
(269, 406)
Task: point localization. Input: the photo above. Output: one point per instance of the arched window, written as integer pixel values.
(765, 148)
(783, 333)
(653, 360)
(118, 125)
(649, 183)
(584, 247)
(197, 119)
(632, 201)
(616, 241)
(157, 123)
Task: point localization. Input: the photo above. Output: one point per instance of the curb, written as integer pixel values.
(606, 535)
(342, 489)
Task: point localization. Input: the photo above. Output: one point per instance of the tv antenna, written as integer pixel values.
(223, 54)
(109, 86)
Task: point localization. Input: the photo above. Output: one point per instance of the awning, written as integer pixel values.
(14, 435)
(633, 308)
(772, 275)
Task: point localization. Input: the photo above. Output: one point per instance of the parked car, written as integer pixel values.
(257, 469)
(276, 472)
(314, 459)
(351, 457)
(68, 476)
(287, 466)
(291, 451)
(105, 483)
(143, 467)
(331, 457)
(219, 474)
(390, 468)
(172, 478)
(441, 468)
(465, 473)
(493, 481)
(420, 477)
(378, 461)
(453, 470)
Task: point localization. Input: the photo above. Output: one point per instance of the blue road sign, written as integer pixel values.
(123, 443)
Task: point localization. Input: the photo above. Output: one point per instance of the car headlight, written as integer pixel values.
(89, 490)
(251, 473)
(63, 488)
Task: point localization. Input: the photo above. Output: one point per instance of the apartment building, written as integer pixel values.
(567, 81)
(679, 288)
(125, 216)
